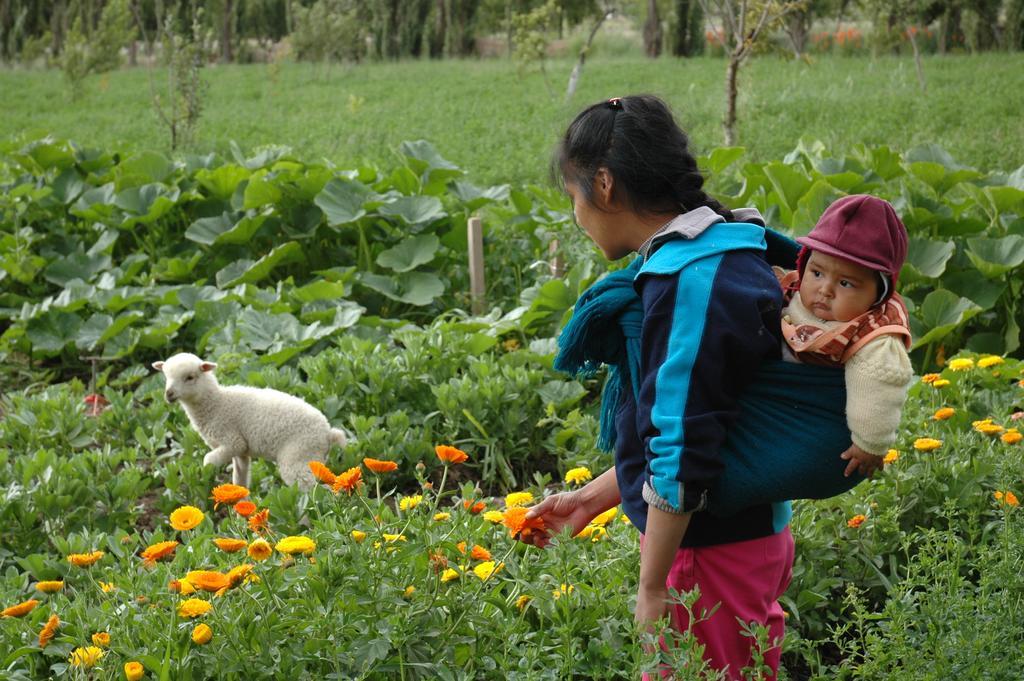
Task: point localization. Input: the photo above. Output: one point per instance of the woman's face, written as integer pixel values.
(834, 289)
(597, 223)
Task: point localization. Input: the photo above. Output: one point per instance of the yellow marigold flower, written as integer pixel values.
(228, 494)
(193, 607)
(107, 587)
(986, 427)
(410, 502)
(439, 517)
(133, 671)
(186, 517)
(944, 413)
(578, 476)
(593, 532)
(941, 383)
(101, 639)
(239, 573)
(245, 508)
(626, 520)
(50, 587)
(49, 629)
(21, 609)
(523, 601)
(961, 364)
(930, 378)
(449, 574)
(181, 586)
(510, 345)
(85, 559)
(565, 589)
(85, 657)
(208, 580)
(293, 545)
(998, 495)
(479, 553)
(409, 591)
(322, 473)
(990, 361)
(926, 444)
(518, 499)
(349, 481)
(891, 456)
(155, 552)
(450, 455)
(229, 544)
(202, 634)
(494, 517)
(259, 549)
(358, 536)
(857, 520)
(484, 570)
(603, 519)
(379, 465)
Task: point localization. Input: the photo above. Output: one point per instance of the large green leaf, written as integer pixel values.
(76, 266)
(996, 257)
(102, 327)
(423, 157)
(941, 313)
(474, 197)
(789, 182)
(926, 259)
(68, 186)
(143, 168)
(222, 181)
(342, 201)
(50, 332)
(164, 326)
(562, 394)
(719, 159)
(248, 272)
(414, 210)
(811, 205)
(226, 228)
(410, 253)
(96, 204)
(981, 291)
(414, 288)
(261, 190)
(146, 204)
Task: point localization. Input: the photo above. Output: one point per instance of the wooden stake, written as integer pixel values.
(476, 264)
(556, 263)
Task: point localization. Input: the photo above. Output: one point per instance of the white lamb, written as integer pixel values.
(240, 422)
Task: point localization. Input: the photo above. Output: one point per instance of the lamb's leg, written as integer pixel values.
(223, 454)
(240, 470)
(293, 464)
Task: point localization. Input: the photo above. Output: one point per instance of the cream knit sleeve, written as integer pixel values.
(877, 379)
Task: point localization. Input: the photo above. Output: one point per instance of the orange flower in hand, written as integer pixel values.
(451, 455)
(518, 524)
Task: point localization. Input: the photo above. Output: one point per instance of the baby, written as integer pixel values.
(842, 309)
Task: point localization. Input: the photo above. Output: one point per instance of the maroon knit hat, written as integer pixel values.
(862, 229)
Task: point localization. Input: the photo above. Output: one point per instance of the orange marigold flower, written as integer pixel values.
(1011, 499)
(380, 466)
(450, 454)
(930, 378)
(479, 553)
(202, 634)
(228, 494)
(518, 524)
(101, 639)
(322, 473)
(50, 587)
(157, 551)
(239, 573)
(230, 545)
(133, 671)
(193, 607)
(186, 517)
(258, 520)
(21, 609)
(49, 629)
(998, 495)
(891, 456)
(473, 507)
(944, 413)
(438, 561)
(1011, 436)
(349, 481)
(208, 580)
(245, 508)
(856, 521)
(85, 559)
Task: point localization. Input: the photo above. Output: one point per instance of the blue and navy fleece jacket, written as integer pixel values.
(711, 317)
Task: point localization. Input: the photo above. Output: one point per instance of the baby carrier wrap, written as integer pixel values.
(791, 429)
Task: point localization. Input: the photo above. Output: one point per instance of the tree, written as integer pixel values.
(577, 71)
(689, 28)
(902, 17)
(652, 31)
(741, 23)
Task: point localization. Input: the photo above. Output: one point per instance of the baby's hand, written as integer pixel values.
(866, 462)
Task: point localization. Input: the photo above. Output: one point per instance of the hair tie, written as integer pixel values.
(615, 103)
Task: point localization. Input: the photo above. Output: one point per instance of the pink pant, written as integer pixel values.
(746, 578)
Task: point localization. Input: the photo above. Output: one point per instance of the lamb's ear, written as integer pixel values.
(207, 366)
(159, 366)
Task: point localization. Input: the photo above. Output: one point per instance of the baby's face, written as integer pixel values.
(834, 289)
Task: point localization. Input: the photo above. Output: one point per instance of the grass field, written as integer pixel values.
(501, 127)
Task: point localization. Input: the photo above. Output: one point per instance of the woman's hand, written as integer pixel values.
(866, 462)
(568, 509)
(651, 606)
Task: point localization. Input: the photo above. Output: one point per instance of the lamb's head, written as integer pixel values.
(188, 377)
